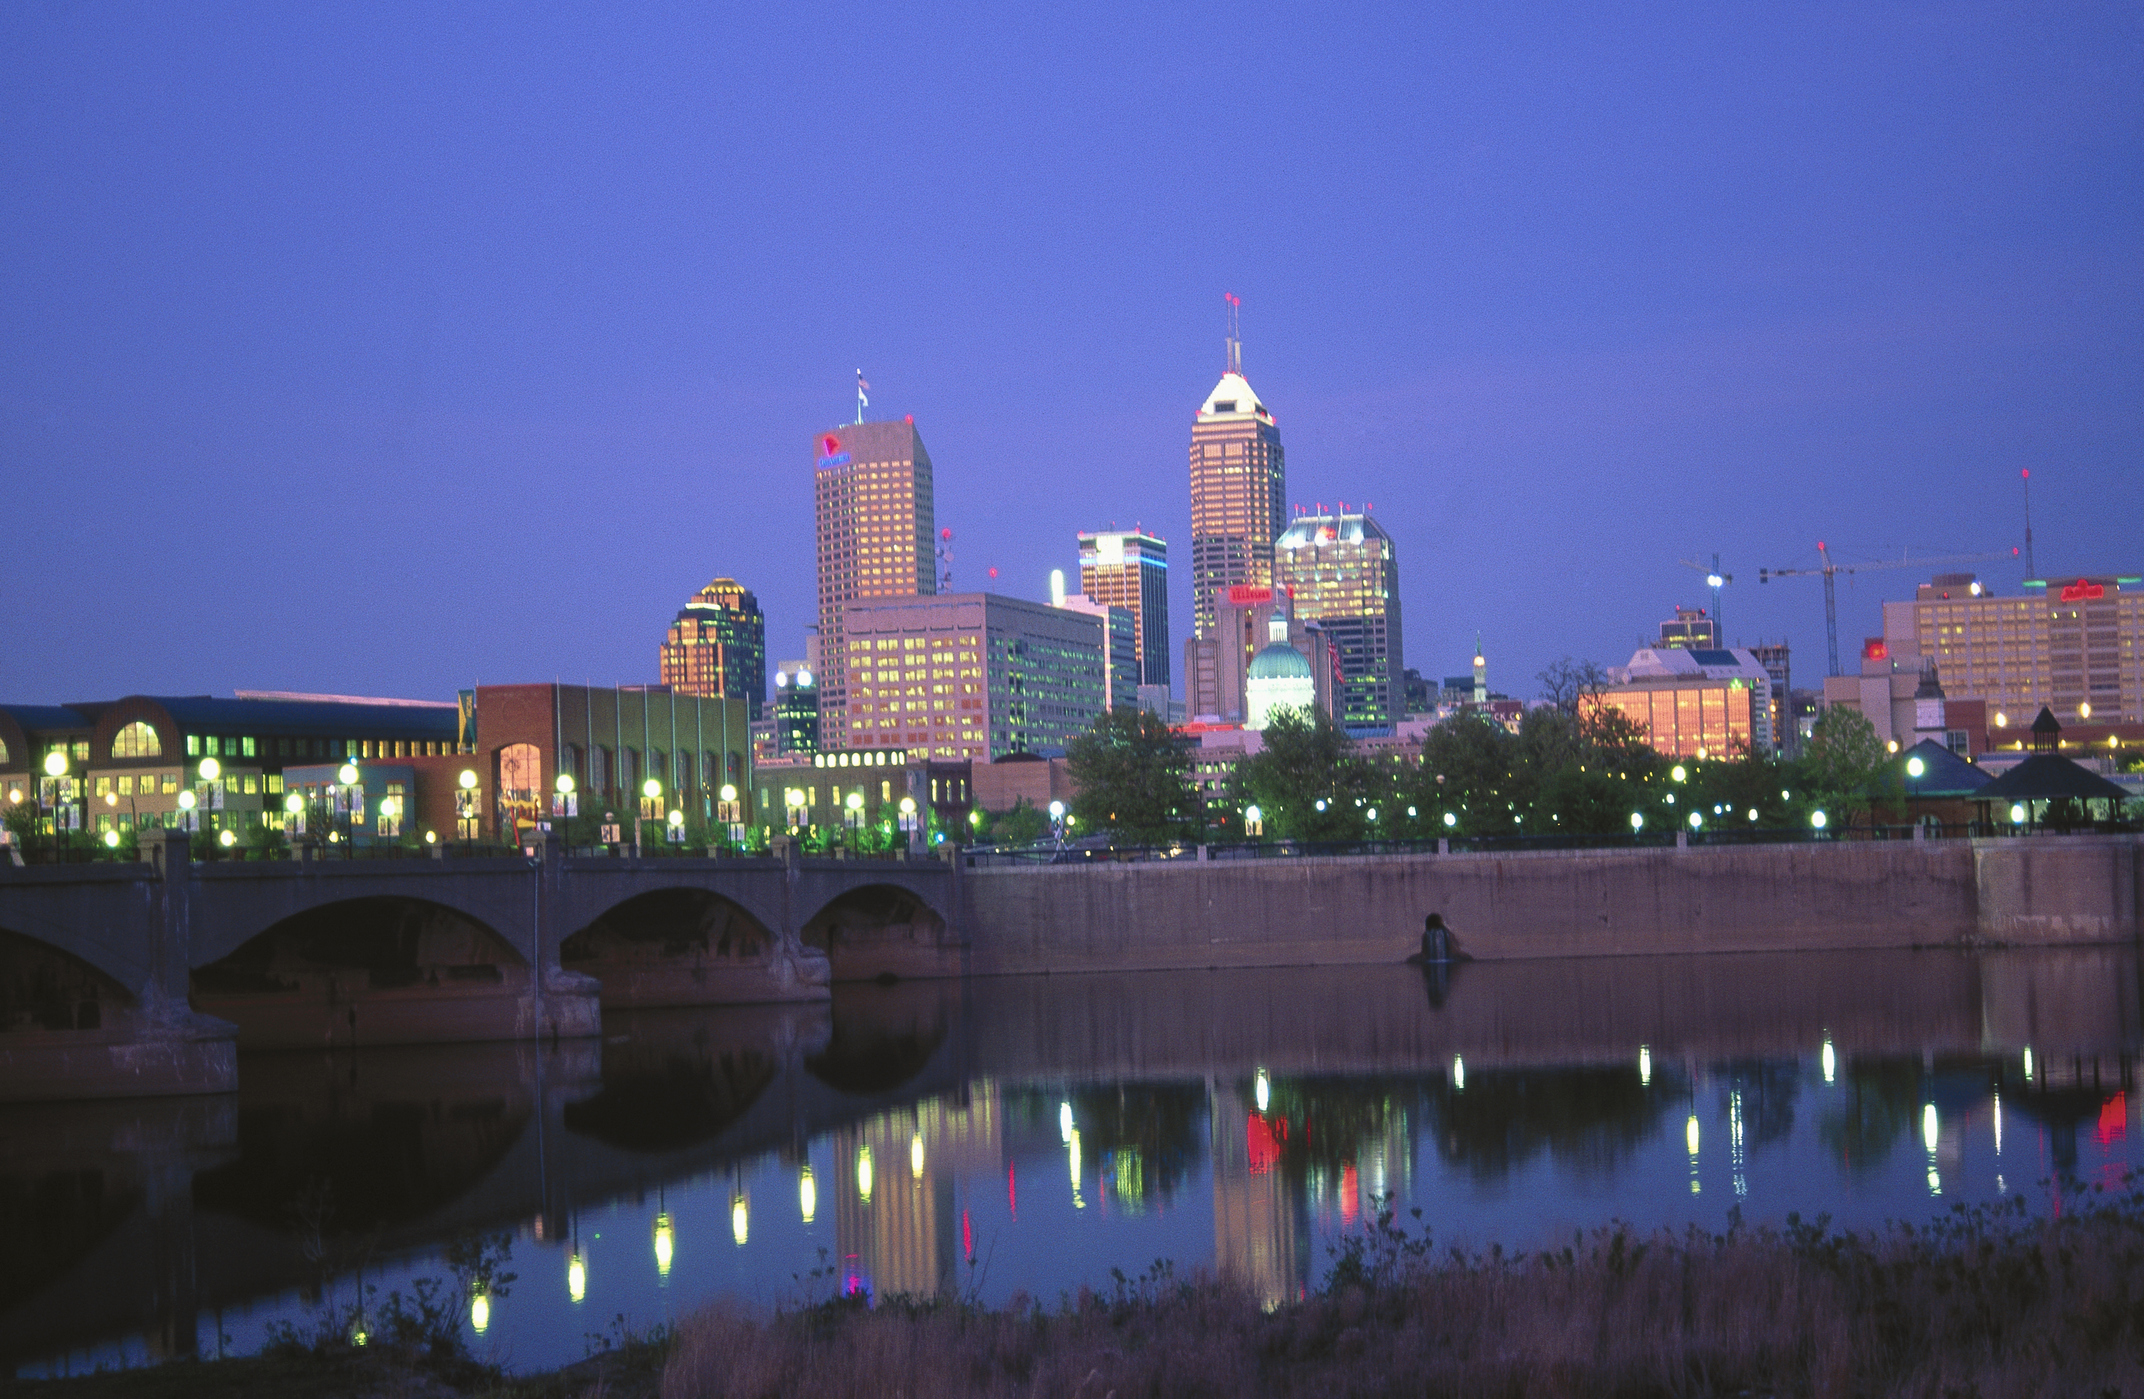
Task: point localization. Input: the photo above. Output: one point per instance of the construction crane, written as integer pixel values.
(1830, 571)
(1715, 580)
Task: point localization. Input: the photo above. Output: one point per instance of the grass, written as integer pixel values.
(1985, 1302)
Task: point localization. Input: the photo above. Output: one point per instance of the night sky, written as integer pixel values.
(387, 348)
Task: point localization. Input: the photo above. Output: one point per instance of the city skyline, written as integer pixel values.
(1833, 277)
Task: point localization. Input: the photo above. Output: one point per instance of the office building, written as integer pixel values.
(1692, 704)
(1693, 629)
(1130, 569)
(1279, 678)
(876, 527)
(1239, 490)
(969, 675)
(2075, 646)
(1777, 662)
(1217, 666)
(1121, 629)
(796, 709)
(1343, 573)
(717, 647)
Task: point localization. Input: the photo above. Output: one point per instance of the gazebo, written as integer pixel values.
(1940, 786)
(2047, 777)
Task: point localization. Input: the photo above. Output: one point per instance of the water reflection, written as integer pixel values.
(1036, 1133)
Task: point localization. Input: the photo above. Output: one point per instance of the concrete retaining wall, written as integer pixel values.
(1841, 895)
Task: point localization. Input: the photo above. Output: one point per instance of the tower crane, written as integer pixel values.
(1830, 571)
(1715, 580)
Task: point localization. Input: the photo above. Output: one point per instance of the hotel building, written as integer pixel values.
(1130, 569)
(876, 523)
(1239, 490)
(969, 675)
(717, 647)
(1343, 573)
(2073, 645)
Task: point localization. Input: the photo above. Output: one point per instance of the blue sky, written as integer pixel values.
(387, 348)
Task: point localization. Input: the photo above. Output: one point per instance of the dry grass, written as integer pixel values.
(1986, 1302)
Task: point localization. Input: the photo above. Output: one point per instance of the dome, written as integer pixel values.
(1279, 661)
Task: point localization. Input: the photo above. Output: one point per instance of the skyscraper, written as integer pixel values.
(717, 647)
(1130, 569)
(1239, 492)
(1344, 574)
(876, 520)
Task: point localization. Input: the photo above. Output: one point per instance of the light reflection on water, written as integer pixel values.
(1032, 1135)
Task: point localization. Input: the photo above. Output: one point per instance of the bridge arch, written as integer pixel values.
(878, 929)
(674, 922)
(43, 987)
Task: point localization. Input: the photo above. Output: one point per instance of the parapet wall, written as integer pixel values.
(1828, 896)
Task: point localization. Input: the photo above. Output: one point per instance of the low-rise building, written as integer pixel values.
(1692, 704)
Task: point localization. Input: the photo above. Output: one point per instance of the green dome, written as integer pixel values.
(1279, 661)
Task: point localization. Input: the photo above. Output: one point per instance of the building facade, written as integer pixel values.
(1342, 572)
(876, 525)
(1121, 633)
(1130, 569)
(1239, 491)
(717, 647)
(1279, 678)
(1217, 667)
(970, 675)
(2075, 646)
(796, 709)
(1692, 704)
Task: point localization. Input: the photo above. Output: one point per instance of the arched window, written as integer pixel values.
(520, 787)
(598, 771)
(3, 752)
(136, 740)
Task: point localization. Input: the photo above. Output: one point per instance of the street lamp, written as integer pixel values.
(1637, 822)
(1818, 820)
(854, 806)
(675, 833)
(908, 818)
(1057, 822)
(1915, 766)
(1254, 821)
(56, 771)
(651, 796)
(467, 821)
(293, 815)
(347, 776)
(730, 815)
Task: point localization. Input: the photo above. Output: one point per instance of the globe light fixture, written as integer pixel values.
(1819, 820)
(908, 806)
(347, 774)
(431, 837)
(2084, 709)
(293, 803)
(1696, 820)
(188, 801)
(210, 769)
(111, 840)
(1637, 822)
(1915, 766)
(855, 801)
(651, 789)
(1057, 811)
(2018, 813)
(677, 820)
(1451, 819)
(468, 780)
(729, 792)
(55, 764)
(564, 783)
(227, 838)
(1679, 773)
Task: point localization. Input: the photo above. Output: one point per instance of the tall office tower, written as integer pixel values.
(1239, 489)
(717, 647)
(877, 522)
(1344, 574)
(1130, 569)
(1120, 630)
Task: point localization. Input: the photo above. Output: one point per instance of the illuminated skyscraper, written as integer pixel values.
(717, 647)
(1130, 569)
(1239, 490)
(876, 523)
(1344, 574)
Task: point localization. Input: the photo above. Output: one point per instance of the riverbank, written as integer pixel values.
(1986, 1301)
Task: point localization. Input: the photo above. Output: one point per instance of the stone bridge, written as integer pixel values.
(128, 978)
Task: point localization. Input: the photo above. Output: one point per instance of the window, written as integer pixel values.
(246, 747)
(136, 740)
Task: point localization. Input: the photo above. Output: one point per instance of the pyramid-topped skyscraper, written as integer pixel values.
(1239, 488)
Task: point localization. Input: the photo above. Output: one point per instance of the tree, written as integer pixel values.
(1022, 825)
(1467, 772)
(1844, 761)
(1307, 759)
(1569, 680)
(1132, 773)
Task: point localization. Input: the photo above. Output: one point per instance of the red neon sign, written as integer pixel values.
(2083, 591)
(828, 445)
(1241, 594)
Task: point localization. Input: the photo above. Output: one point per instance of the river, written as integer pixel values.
(1039, 1134)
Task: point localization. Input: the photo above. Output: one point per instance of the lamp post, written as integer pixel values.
(293, 814)
(730, 815)
(210, 770)
(908, 821)
(55, 773)
(466, 816)
(1254, 822)
(1057, 823)
(564, 805)
(651, 795)
(853, 817)
(347, 776)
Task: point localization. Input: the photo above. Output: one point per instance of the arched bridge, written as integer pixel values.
(99, 961)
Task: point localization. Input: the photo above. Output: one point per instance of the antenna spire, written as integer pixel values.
(1235, 332)
(2025, 474)
(863, 400)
